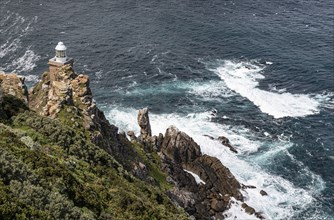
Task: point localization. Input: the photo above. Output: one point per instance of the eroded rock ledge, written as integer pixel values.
(202, 185)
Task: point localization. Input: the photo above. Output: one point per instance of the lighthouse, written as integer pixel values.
(58, 61)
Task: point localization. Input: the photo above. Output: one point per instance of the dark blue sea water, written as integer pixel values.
(266, 67)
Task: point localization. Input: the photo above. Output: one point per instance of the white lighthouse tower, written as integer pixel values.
(58, 61)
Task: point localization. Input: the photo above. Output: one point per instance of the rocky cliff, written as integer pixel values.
(57, 146)
(202, 185)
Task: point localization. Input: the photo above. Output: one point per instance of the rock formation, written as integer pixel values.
(144, 124)
(212, 198)
(63, 160)
(184, 162)
(12, 84)
(70, 99)
(199, 183)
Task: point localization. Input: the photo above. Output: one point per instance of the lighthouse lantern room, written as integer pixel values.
(61, 52)
(58, 61)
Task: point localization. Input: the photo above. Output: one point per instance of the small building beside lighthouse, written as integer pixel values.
(58, 61)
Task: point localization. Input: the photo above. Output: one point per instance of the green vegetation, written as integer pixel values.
(50, 169)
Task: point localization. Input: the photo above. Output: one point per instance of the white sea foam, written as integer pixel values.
(237, 212)
(32, 78)
(17, 29)
(210, 90)
(243, 77)
(99, 74)
(9, 47)
(283, 200)
(25, 63)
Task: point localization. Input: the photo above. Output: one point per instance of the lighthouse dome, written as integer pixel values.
(60, 46)
(61, 53)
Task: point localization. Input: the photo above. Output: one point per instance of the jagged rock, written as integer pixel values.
(144, 124)
(67, 90)
(182, 152)
(159, 141)
(263, 193)
(226, 142)
(132, 135)
(12, 84)
(179, 146)
(212, 171)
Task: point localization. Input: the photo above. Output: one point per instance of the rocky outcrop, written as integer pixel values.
(179, 147)
(144, 124)
(69, 98)
(202, 185)
(182, 156)
(12, 84)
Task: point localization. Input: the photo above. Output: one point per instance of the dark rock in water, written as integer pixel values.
(212, 138)
(179, 147)
(259, 215)
(214, 112)
(248, 209)
(263, 193)
(226, 142)
(144, 124)
(248, 186)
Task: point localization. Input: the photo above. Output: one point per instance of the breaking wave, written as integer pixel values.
(243, 78)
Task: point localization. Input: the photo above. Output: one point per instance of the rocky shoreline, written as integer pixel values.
(198, 183)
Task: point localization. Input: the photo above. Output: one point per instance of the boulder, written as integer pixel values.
(248, 209)
(263, 193)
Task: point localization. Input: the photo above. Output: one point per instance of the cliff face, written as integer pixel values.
(69, 98)
(64, 153)
(202, 185)
(11, 84)
(65, 166)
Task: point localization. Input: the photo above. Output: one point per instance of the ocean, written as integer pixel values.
(259, 72)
